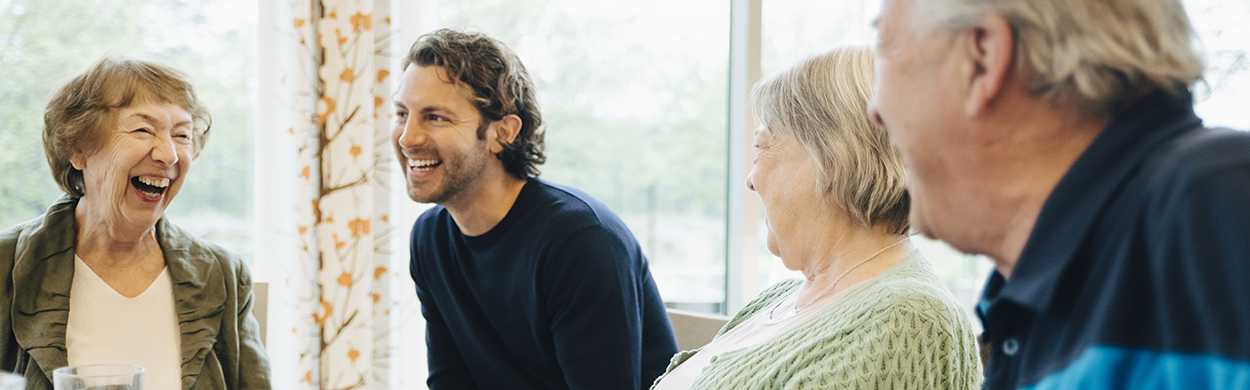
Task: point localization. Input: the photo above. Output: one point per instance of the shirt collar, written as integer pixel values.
(1086, 189)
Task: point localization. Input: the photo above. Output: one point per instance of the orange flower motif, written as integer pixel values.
(377, 103)
(329, 219)
(359, 20)
(387, 20)
(353, 354)
(291, 130)
(327, 309)
(342, 39)
(376, 298)
(333, 15)
(345, 280)
(355, 151)
(383, 73)
(348, 75)
(384, 219)
(338, 244)
(328, 105)
(299, 23)
(378, 272)
(358, 227)
(303, 229)
(305, 173)
(308, 377)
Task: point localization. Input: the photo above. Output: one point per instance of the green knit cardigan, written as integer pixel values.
(899, 330)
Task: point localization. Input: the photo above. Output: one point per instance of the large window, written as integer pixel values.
(635, 105)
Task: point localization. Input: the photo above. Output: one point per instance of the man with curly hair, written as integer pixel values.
(524, 284)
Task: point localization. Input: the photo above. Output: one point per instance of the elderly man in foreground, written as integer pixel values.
(1058, 138)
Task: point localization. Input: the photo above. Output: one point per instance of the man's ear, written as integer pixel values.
(990, 47)
(506, 130)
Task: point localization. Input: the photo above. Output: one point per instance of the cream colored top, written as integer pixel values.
(106, 327)
(764, 325)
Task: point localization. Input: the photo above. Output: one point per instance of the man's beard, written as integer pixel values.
(460, 173)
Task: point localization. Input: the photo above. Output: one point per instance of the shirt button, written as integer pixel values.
(1010, 347)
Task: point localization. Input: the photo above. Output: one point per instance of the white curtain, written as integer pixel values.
(341, 309)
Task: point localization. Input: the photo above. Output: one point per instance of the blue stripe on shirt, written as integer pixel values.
(1108, 367)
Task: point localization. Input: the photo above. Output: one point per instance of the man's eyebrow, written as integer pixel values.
(429, 109)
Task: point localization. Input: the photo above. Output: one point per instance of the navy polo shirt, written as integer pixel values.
(1137, 272)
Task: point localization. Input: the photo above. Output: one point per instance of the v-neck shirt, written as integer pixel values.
(106, 327)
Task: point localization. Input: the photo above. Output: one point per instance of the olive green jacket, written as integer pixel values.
(221, 346)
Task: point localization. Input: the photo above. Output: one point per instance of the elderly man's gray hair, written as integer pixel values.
(1094, 55)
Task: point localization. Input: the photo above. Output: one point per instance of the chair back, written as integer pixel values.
(694, 329)
(260, 306)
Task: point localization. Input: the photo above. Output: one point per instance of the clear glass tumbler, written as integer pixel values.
(98, 377)
(11, 381)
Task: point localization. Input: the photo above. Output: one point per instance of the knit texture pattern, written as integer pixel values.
(899, 330)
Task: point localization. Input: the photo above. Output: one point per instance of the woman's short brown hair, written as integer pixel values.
(822, 102)
(82, 109)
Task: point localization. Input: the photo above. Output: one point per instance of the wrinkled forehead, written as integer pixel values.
(887, 19)
(902, 19)
(128, 94)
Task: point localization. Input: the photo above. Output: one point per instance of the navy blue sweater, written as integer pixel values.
(556, 296)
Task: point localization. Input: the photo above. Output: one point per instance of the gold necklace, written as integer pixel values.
(797, 308)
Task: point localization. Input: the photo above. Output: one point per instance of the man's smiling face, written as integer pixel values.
(437, 137)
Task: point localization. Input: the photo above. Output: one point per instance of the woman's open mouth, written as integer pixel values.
(150, 188)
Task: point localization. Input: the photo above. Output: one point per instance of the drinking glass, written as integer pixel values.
(98, 377)
(11, 381)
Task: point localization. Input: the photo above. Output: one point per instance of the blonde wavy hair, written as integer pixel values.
(822, 102)
(1096, 56)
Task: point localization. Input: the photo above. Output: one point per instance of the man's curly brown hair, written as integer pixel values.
(499, 86)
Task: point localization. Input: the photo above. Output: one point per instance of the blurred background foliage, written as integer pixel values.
(44, 43)
(635, 103)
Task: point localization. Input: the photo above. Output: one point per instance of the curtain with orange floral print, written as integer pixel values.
(332, 291)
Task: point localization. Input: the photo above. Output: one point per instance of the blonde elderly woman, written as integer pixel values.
(870, 313)
(102, 277)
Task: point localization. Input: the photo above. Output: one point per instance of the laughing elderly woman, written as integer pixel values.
(102, 277)
(870, 313)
